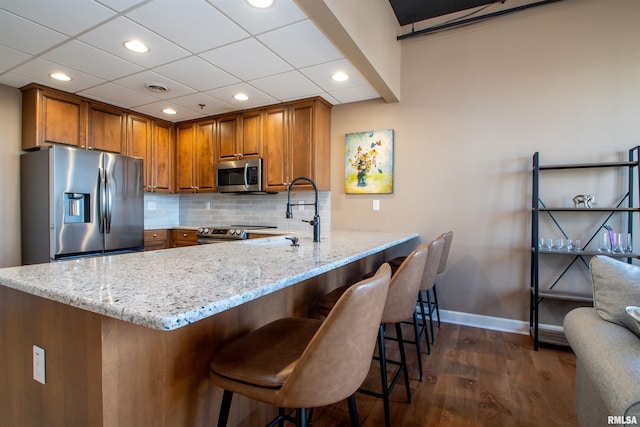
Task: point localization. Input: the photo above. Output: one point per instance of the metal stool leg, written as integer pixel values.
(383, 376)
(435, 298)
(224, 408)
(424, 321)
(403, 360)
(353, 411)
(418, 349)
(433, 338)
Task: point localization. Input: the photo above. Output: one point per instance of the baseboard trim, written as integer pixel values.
(491, 323)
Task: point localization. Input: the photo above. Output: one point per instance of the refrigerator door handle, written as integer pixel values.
(109, 200)
(103, 196)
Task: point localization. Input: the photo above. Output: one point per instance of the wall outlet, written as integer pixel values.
(376, 205)
(207, 206)
(151, 206)
(300, 205)
(39, 364)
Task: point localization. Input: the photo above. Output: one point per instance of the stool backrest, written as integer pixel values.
(404, 287)
(448, 238)
(337, 359)
(436, 247)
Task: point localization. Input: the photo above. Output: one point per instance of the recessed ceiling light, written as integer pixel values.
(240, 97)
(60, 76)
(261, 4)
(340, 76)
(169, 111)
(136, 46)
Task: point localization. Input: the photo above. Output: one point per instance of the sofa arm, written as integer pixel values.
(610, 355)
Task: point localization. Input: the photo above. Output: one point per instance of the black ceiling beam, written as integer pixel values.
(472, 20)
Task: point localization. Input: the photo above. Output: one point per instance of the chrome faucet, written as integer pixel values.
(315, 222)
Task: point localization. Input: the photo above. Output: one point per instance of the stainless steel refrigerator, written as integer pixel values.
(77, 202)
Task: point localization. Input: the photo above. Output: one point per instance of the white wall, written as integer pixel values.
(10, 135)
(477, 102)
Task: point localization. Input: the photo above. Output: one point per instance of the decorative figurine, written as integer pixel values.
(587, 200)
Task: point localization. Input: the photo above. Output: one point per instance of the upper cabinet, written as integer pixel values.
(52, 117)
(195, 157)
(296, 142)
(294, 139)
(239, 135)
(106, 128)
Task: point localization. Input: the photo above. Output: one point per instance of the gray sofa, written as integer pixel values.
(606, 341)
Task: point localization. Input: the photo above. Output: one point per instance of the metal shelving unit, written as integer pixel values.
(626, 206)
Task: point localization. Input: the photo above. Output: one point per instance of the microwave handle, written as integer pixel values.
(246, 170)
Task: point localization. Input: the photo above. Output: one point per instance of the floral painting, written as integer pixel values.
(369, 162)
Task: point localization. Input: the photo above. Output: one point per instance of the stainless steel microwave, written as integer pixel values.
(239, 176)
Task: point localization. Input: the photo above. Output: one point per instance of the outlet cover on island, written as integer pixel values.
(376, 205)
(39, 364)
(151, 206)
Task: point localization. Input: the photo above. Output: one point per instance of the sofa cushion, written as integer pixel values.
(634, 312)
(616, 285)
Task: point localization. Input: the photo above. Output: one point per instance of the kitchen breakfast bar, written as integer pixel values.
(128, 338)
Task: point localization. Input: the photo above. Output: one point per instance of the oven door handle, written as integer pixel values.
(246, 171)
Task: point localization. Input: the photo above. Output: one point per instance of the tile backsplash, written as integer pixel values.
(190, 210)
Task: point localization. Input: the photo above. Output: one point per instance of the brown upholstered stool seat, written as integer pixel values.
(267, 356)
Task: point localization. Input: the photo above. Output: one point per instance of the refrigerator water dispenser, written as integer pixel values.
(76, 207)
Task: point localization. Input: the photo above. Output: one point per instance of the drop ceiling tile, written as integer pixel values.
(256, 21)
(193, 24)
(88, 59)
(301, 44)
(256, 97)
(321, 75)
(210, 105)
(196, 73)
(39, 70)
(20, 34)
(155, 110)
(111, 37)
(140, 81)
(16, 80)
(355, 94)
(118, 95)
(247, 59)
(79, 16)
(287, 86)
(9, 58)
(120, 5)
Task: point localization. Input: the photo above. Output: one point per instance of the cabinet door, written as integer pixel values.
(204, 157)
(275, 148)
(185, 137)
(161, 157)
(250, 139)
(301, 159)
(139, 144)
(227, 137)
(106, 129)
(52, 117)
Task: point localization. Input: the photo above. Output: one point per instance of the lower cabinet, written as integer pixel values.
(180, 238)
(156, 239)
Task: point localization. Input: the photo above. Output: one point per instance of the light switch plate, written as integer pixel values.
(376, 205)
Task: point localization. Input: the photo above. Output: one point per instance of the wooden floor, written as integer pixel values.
(474, 377)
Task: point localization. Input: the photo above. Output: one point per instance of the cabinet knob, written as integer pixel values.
(155, 235)
(184, 235)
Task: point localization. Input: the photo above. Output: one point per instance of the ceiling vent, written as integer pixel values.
(157, 87)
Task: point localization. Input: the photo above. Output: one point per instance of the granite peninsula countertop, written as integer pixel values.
(171, 288)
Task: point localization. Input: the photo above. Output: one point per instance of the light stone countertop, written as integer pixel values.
(171, 288)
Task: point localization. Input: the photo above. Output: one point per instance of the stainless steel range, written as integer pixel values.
(221, 234)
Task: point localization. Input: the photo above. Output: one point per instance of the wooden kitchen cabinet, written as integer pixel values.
(52, 117)
(297, 142)
(161, 157)
(106, 128)
(195, 157)
(239, 135)
(156, 239)
(181, 238)
(138, 143)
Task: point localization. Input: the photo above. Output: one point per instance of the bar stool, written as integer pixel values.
(400, 305)
(305, 363)
(425, 290)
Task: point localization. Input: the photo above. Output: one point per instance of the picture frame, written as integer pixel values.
(369, 162)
